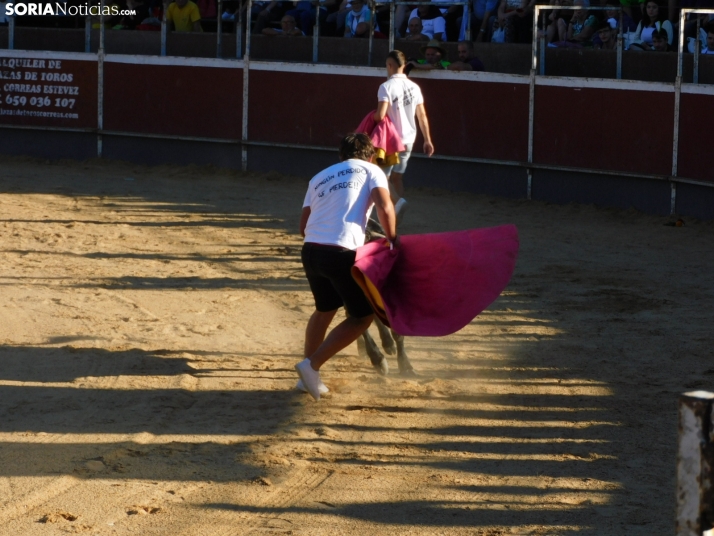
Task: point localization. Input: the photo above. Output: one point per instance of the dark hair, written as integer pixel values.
(356, 145)
(398, 56)
(661, 14)
(660, 34)
(709, 28)
(469, 44)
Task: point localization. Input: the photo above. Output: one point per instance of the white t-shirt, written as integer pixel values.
(340, 203)
(403, 97)
(706, 50)
(430, 26)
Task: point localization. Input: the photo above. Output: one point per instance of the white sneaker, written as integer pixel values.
(322, 387)
(400, 209)
(310, 378)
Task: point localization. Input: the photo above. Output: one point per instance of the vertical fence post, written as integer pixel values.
(695, 464)
(371, 33)
(11, 33)
(164, 28)
(677, 98)
(88, 34)
(316, 34)
(100, 82)
(219, 31)
(531, 100)
(542, 47)
(239, 31)
(246, 73)
(392, 23)
(618, 72)
(467, 14)
(695, 75)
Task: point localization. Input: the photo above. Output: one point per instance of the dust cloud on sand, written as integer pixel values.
(151, 318)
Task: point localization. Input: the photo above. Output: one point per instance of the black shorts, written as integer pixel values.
(329, 272)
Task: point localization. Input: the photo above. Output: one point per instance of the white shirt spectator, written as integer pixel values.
(403, 97)
(442, 9)
(338, 194)
(430, 26)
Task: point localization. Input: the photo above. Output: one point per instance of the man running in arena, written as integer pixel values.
(401, 100)
(333, 222)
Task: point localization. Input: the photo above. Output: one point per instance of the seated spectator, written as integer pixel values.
(606, 39)
(305, 13)
(183, 16)
(433, 24)
(511, 26)
(336, 20)
(467, 60)
(653, 20)
(709, 49)
(433, 57)
(613, 17)
(633, 9)
(451, 14)
(660, 41)
(414, 31)
(267, 13)
(359, 20)
(580, 29)
(287, 28)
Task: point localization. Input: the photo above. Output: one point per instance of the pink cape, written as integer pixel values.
(435, 284)
(384, 137)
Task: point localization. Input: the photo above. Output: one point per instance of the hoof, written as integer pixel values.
(391, 349)
(408, 373)
(382, 367)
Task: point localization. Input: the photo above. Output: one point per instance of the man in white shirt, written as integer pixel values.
(333, 222)
(401, 100)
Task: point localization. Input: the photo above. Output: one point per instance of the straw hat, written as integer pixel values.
(434, 44)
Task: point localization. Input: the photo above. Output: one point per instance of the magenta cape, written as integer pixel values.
(435, 284)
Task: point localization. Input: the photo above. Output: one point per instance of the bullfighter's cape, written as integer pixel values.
(384, 136)
(435, 284)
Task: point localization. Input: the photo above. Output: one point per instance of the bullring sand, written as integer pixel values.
(151, 319)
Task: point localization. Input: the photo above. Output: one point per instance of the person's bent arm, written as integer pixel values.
(381, 111)
(303, 219)
(460, 66)
(196, 27)
(270, 31)
(385, 213)
(424, 126)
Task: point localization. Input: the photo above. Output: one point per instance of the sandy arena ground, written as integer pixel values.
(151, 318)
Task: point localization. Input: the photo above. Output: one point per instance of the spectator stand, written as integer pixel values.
(392, 23)
(680, 50)
(540, 61)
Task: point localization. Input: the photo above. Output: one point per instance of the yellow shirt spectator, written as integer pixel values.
(184, 16)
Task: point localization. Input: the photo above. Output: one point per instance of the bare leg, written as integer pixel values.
(562, 30)
(395, 179)
(341, 336)
(316, 329)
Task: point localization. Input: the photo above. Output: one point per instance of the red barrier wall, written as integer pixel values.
(173, 100)
(694, 160)
(610, 129)
(608, 125)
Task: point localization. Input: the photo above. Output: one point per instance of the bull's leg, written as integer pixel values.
(386, 337)
(405, 366)
(379, 362)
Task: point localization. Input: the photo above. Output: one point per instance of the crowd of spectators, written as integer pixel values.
(644, 25)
